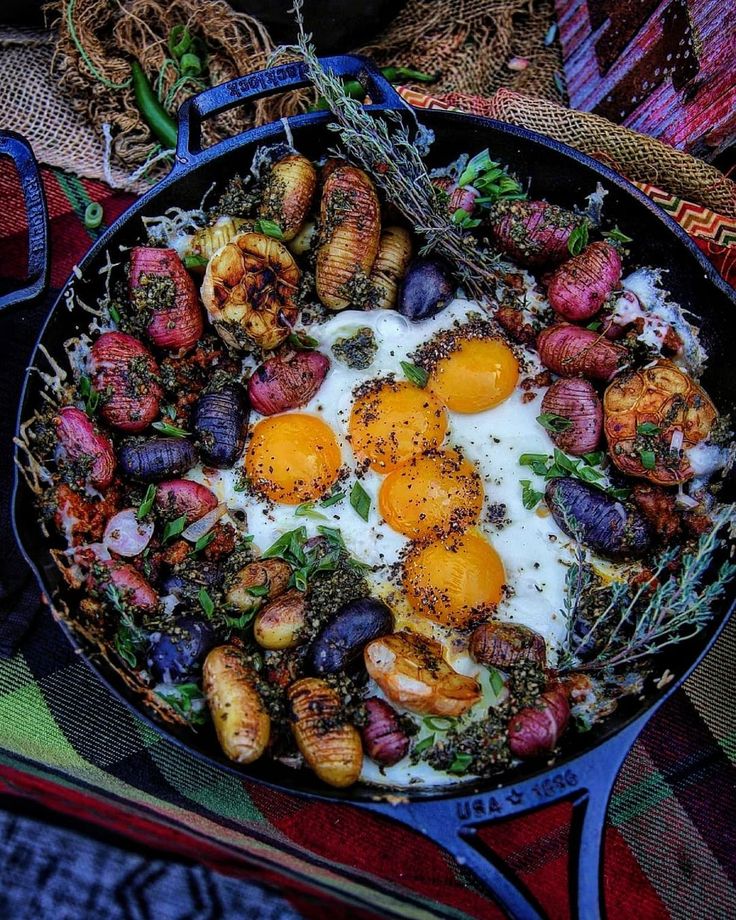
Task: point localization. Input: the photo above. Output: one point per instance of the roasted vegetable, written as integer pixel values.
(288, 194)
(579, 287)
(220, 421)
(127, 379)
(249, 290)
(573, 415)
(287, 382)
(384, 740)
(350, 231)
(330, 745)
(653, 417)
(535, 731)
(203, 244)
(411, 671)
(124, 585)
(426, 290)
(574, 352)
(342, 640)
(280, 624)
(83, 448)
(502, 645)
(242, 724)
(183, 496)
(156, 458)
(177, 653)
(305, 239)
(532, 233)
(125, 535)
(258, 583)
(161, 288)
(596, 519)
(394, 253)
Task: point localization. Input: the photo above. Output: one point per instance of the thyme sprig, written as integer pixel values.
(385, 148)
(639, 621)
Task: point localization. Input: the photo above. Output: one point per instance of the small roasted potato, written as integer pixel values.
(411, 671)
(500, 645)
(154, 459)
(330, 745)
(384, 739)
(205, 242)
(579, 287)
(288, 195)
(345, 636)
(394, 253)
(246, 590)
(350, 232)
(280, 624)
(572, 351)
(535, 731)
(287, 381)
(124, 372)
(242, 724)
(579, 412)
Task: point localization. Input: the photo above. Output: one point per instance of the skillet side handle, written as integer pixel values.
(17, 149)
(586, 782)
(267, 82)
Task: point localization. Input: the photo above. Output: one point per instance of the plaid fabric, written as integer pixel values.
(66, 742)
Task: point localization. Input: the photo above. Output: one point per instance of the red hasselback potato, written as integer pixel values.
(178, 324)
(574, 352)
(78, 438)
(126, 376)
(182, 496)
(579, 288)
(575, 400)
(532, 233)
(287, 383)
(383, 738)
(535, 731)
(133, 588)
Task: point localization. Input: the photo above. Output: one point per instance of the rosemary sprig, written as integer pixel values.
(640, 621)
(385, 149)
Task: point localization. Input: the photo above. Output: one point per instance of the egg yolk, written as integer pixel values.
(477, 374)
(292, 458)
(431, 495)
(394, 420)
(454, 579)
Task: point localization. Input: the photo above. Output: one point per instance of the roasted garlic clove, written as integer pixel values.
(394, 253)
(412, 673)
(249, 290)
(257, 583)
(242, 724)
(330, 745)
(350, 230)
(288, 195)
(280, 624)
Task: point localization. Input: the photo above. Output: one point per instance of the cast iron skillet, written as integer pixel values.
(585, 772)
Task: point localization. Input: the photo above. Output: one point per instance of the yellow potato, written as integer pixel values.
(281, 623)
(273, 574)
(288, 194)
(394, 253)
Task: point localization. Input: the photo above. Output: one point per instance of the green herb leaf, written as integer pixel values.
(302, 341)
(415, 374)
(530, 496)
(460, 764)
(174, 528)
(552, 422)
(648, 429)
(529, 459)
(595, 458)
(424, 744)
(258, 590)
(269, 228)
(594, 325)
(496, 681)
(462, 219)
(360, 501)
(241, 621)
(241, 483)
(648, 459)
(171, 430)
(206, 602)
(564, 462)
(147, 503)
(186, 699)
(204, 541)
(85, 386)
(588, 474)
(439, 723)
(307, 510)
(193, 261)
(332, 499)
(617, 236)
(289, 546)
(300, 579)
(114, 313)
(578, 239)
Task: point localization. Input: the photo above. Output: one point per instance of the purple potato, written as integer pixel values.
(156, 458)
(176, 654)
(384, 740)
(427, 288)
(341, 642)
(202, 575)
(599, 521)
(221, 421)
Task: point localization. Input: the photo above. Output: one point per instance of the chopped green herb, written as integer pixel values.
(595, 458)
(489, 178)
(464, 220)
(93, 215)
(206, 602)
(302, 341)
(307, 510)
(648, 459)
(147, 503)
(648, 429)
(332, 499)
(171, 430)
(258, 590)
(594, 325)
(186, 699)
(424, 744)
(439, 723)
(617, 236)
(195, 261)
(300, 579)
(204, 541)
(360, 501)
(415, 374)
(239, 622)
(114, 313)
(174, 528)
(244, 543)
(552, 422)
(460, 764)
(496, 681)
(578, 239)
(529, 496)
(269, 228)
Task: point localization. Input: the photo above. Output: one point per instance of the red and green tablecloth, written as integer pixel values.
(66, 742)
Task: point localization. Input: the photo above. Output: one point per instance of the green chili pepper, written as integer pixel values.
(162, 125)
(93, 215)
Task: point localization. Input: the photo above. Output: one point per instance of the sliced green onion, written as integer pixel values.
(174, 528)
(360, 501)
(169, 429)
(415, 374)
(147, 503)
(93, 215)
(206, 602)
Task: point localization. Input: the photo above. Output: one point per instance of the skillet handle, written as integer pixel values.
(267, 82)
(17, 149)
(586, 782)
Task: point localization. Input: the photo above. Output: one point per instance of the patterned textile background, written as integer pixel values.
(67, 743)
